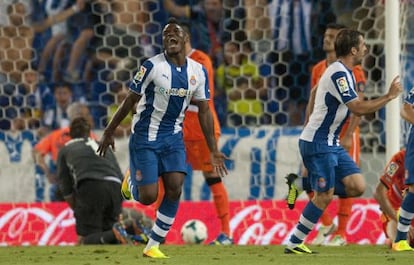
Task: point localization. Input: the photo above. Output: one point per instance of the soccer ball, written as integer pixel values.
(194, 232)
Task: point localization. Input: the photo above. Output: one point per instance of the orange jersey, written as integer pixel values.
(191, 126)
(54, 141)
(320, 68)
(393, 178)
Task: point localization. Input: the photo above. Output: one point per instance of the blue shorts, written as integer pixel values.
(152, 159)
(326, 165)
(409, 158)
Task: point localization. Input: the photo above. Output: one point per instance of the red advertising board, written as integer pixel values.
(252, 222)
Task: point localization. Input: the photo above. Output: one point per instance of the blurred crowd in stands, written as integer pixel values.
(54, 53)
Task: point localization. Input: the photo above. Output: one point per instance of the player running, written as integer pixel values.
(163, 88)
(330, 167)
(349, 139)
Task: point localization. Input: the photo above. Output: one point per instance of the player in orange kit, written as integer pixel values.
(349, 139)
(198, 154)
(389, 194)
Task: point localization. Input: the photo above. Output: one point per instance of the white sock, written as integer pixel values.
(151, 243)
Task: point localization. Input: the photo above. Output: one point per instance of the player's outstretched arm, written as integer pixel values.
(362, 107)
(107, 138)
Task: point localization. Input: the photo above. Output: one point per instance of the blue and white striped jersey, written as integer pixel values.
(166, 92)
(409, 99)
(335, 89)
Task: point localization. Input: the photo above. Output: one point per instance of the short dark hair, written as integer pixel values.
(335, 26)
(79, 128)
(172, 20)
(345, 41)
(186, 27)
(63, 84)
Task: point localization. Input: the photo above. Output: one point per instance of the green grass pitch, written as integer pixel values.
(202, 255)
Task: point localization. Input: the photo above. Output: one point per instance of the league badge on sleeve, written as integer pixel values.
(392, 168)
(343, 86)
(140, 74)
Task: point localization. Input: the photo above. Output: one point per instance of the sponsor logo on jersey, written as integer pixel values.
(180, 92)
(343, 86)
(140, 74)
(392, 168)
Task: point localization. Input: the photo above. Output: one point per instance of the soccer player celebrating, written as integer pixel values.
(349, 139)
(390, 192)
(330, 167)
(198, 154)
(163, 88)
(406, 211)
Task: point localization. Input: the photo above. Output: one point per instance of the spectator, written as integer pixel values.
(52, 143)
(214, 13)
(57, 12)
(36, 97)
(80, 33)
(124, 42)
(291, 32)
(15, 144)
(124, 128)
(239, 79)
(258, 22)
(56, 116)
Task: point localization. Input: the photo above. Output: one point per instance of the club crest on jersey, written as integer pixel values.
(193, 80)
(138, 175)
(140, 74)
(361, 87)
(392, 168)
(343, 86)
(321, 183)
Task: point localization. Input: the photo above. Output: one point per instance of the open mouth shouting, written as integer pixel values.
(171, 42)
